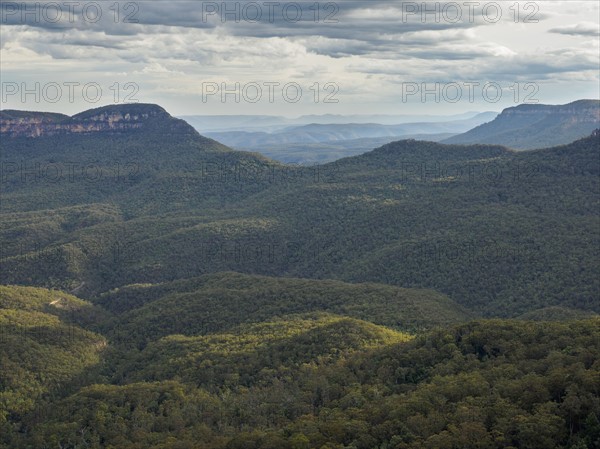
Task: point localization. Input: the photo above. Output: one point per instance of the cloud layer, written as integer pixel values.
(370, 50)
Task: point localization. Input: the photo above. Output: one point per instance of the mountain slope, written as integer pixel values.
(253, 354)
(486, 384)
(218, 302)
(43, 346)
(530, 126)
(500, 232)
(135, 156)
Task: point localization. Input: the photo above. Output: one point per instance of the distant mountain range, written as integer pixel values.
(319, 133)
(331, 137)
(323, 152)
(271, 123)
(327, 142)
(529, 126)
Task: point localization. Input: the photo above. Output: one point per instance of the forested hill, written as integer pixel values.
(498, 231)
(133, 155)
(220, 301)
(305, 380)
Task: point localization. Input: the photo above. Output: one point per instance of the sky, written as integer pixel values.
(297, 58)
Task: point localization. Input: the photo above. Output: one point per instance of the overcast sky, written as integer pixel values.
(360, 56)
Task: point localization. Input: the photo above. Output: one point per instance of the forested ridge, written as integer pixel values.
(500, 232)
(303, 380)
(162, 291)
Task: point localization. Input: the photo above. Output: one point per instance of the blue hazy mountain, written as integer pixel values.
(529, 126)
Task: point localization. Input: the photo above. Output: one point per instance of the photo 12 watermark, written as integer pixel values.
(469, 11)
(27, 173)
(466, 172)
(68, 12)
(471, 91)
(269, 91)
(487, 250)
(269, 12)
(218, 253)
(69, 91)
(117, 251)
(256, 172)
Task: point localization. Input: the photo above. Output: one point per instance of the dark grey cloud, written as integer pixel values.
(376, 29)
(338, 20)
(579, 29)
